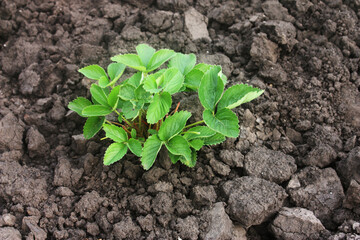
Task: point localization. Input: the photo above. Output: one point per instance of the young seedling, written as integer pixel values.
(143, 102)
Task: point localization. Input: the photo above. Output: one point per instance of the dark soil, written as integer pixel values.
(293, 173)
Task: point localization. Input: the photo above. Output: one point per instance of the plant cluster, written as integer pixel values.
(143, 102)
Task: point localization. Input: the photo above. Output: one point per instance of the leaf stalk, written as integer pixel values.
(195, 123)
(125, 120)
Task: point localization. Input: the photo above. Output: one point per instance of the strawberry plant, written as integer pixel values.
(142, 103)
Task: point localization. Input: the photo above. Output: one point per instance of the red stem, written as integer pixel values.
(177, 107)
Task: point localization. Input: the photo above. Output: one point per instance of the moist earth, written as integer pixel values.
(293, 172)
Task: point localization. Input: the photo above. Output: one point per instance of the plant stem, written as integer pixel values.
(119, 124)
(193, 124)
(125, 120)
(126, 129)
(175, 110)
(177, 107)
(197, 133)
(145, 123)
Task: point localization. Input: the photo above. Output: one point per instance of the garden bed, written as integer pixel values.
(293, 172)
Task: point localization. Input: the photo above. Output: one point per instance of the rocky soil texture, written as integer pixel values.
(293, 173)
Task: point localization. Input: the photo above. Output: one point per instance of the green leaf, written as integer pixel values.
(139, 104)
(98, 94)
(113, 97)
(203, 67)
(237, 95)
(183, 62)
(129, 110)
(193, 79)
(141, 93)
(185, 89)
(96, 110)
(114, 153)
(159, 58)
(131, 60)
(145, 53)
(94, 101)
(135, 146)
(179, 146)
(133, 133)
(198, 132)
(153, 82)
(174, 158)
(215, 139)
(106, 91)
(189, 162)
(135, 79)
(173, 125)
(211, 88)
(127, 92)
(173, 80)
(159, 107)
(152, 131)
(224, 121)
(78, 105)
(94, 72)
(120, 103)
(115, 70)
(223, 77)
(151, 149)
(196, 144)
(92, 126)
(117, 134)
(103, 82)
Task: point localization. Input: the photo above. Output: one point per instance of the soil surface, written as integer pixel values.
(293, 173)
